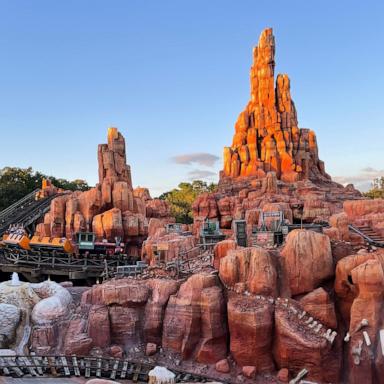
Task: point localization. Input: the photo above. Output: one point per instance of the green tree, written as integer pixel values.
(182, 198)
(15, 183)
(377, 190)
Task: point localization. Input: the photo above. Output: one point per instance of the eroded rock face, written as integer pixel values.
(319, 304)
(298, 345)
(308, 259)
(250, 269)
(267, 137)
(271, 161)
(164, 247)
(195, 323)
(250, 324)
(221, 250)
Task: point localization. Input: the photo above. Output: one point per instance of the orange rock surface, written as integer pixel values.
(272, 164)
(112, 208)
(250, 269)
(195, 322)
(251, 326)
(267, 136)
(308, 259)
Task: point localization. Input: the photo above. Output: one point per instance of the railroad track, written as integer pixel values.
(99, 367)
(369, 235)
(25, 212)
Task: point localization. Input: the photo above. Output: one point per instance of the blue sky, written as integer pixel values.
(173, 76)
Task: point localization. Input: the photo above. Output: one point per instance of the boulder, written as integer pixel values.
(222, 366)
(308, 257)
(150, 349)
(319, 305)
(254, 267)
(221, 250)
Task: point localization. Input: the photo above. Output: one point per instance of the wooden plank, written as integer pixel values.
(64, 363)
(37, 363)
(98, 370)
(12, 365)
(3, 367)
(29, 365)
(87, 368)
(124, 370)
(114, 369)
(75, 366)
(135, 377)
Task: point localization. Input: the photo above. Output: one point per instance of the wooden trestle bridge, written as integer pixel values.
(88, 367)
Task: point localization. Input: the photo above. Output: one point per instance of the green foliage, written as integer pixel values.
(377, 190)
(182, 198)
(15, 183)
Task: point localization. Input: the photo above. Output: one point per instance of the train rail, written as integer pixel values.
(79, 366)
(25, 212)
(369, 235)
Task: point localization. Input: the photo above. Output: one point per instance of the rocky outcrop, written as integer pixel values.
(161, 246)
(300, 342)
(271, 161)
(360, 285)
(112, 209)
(221, 250)
(250, 269)
(319, 305)
(267, 137)
(308, 259)
(250, 322)
(195, 322)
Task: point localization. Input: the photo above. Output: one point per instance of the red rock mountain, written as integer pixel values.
(267, 136)
(272, 164)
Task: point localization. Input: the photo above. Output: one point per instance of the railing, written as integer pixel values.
(366, 237)
(54, 263)
(25, 215)
(6, 211)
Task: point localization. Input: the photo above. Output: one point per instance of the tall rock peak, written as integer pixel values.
(267, 137)
(112, 159)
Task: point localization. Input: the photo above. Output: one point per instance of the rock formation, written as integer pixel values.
(267, 137)
(313, 305)
(272, 164)
(112, 209)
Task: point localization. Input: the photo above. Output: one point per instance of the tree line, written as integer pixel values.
(15, 183)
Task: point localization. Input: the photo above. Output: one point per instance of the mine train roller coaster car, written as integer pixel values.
(51, 243)
(17, 240)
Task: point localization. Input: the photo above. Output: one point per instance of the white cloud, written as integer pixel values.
(201, 158)
(200, 174)
(362, 180)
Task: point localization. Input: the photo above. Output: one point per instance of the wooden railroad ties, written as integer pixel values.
(66, 366)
